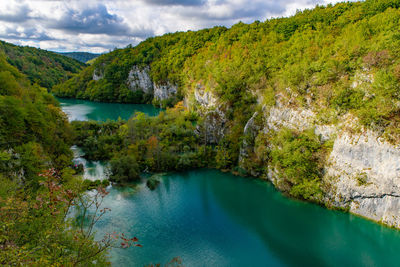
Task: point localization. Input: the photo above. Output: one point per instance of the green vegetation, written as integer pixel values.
(298, 159)
(34, 133)
(40, 66)
(154, 181)
(164, 143)
(166, 56)
(83, 57)
(338, 59)
(38, 189)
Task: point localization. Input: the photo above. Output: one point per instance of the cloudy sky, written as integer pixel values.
(98, 26)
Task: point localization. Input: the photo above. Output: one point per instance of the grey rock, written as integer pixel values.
(165, 91)
(98, 74)
(378, 162)
(139, 79)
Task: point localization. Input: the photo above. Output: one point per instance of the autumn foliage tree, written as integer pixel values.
(40, 229)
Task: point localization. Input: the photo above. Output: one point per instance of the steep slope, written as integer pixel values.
(310, 102)
(37, 186)
(34, 133)
(40, 66)
(139, 74)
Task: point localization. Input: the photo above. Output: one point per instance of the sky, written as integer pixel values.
(102, 25)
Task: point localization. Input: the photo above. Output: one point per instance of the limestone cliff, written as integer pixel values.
(212, 112)
(139, 79)
(361, 174)
(164, 91)
(364, 170)
(98, 74)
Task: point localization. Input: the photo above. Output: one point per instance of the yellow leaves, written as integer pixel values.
(179, 106)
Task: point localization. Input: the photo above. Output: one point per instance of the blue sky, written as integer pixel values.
(98, 26)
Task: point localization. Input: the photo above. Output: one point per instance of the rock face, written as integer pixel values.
(98, 74)
(214, 124)
(361, 173)
(250, 132)
(366, 174)
(296, 119)
(139, 79)
(162, 92)
(363, 170)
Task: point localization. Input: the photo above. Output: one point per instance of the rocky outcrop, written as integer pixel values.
(364, 171)
(139, 80)
(164, 91)
(361, 173)
(212, 112)
(250, 132)
(281, 116)
(204, 98)
(98, 74)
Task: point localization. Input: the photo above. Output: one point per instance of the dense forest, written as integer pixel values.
(83, 57)
(341, 60)
(40, 66)
(316, 54)
(39, 188)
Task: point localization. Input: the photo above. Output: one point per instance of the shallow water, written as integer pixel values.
(210, 218)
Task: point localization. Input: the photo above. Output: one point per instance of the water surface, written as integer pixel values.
(210, 218)
(82, 110)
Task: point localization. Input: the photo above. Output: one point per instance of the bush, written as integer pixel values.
(124, 169)
(297, 158)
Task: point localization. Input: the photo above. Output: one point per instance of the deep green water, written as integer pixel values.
(83, 110)
(210, 218)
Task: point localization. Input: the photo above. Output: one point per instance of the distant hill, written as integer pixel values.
(81, 56)
(40, 66)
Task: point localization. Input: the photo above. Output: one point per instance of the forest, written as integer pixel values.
(320, 59)
(39, 187)
(83, 57)
(40, 66)
(314, 59)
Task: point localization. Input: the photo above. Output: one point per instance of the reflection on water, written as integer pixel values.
(210, 218)
(77, 112)
(83, 110)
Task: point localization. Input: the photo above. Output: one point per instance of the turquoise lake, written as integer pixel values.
(210, 218)
(83, 110)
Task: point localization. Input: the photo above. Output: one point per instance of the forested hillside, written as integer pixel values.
(166, 55)
(269, 97)
(315, 53)
(38, 187)
(83, 57)
(40, 66)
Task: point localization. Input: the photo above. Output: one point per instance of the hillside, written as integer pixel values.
(110, 78)
(309, 102)
(38, 187)
(83, 57)
(40, 66)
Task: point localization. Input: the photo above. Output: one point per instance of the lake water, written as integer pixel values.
(83, 110)
(210, 218)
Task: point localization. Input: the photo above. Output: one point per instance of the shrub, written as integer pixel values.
(124, 169)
